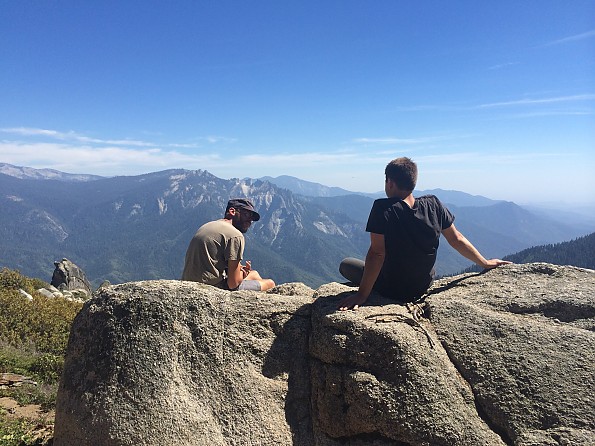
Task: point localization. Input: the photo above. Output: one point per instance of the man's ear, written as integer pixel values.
(231, 212)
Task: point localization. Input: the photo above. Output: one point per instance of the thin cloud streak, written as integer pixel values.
(73, 136)
(519, 102)
(482, 159)
(574, 98)
(118, 160)
(574, 38)
(502, 65)
(299, 159)
(392, 140)
(216, 139)
(552, 113)
(412, 141)
(430, 107)
(101, 161)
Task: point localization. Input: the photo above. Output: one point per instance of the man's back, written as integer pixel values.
(411, 238)
(213, 245)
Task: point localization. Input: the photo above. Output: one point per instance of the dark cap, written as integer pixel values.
(244, 203)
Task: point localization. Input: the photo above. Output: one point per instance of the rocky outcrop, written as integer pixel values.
(68, 276)
(76, 295)
(170, 362)
(14, 380)
(501, 358)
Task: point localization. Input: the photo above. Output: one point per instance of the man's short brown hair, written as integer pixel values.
(402, 172)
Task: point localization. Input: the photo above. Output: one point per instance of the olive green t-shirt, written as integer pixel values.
(213, 245)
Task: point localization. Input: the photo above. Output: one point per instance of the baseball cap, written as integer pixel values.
(244, 203)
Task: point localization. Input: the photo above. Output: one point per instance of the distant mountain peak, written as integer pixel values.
(307, 188)
(44, 174)
(459, 198)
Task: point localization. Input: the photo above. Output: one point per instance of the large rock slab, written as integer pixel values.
(501, 358)
(523, 337)
(380, 376)
(180, 363)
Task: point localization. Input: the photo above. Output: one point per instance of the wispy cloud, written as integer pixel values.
(471, 160)
(502, 65)
(538, 114)
(217, 139)
(450, 108)
(582, 36)
(26, 131)
(115, 160)
(407, 141)
(108, 160)
(429, 107)
(529, 101)
(73, 152)
(389, 140)
(300, 159)
(72, 136)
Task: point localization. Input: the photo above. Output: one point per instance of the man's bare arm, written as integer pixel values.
(464, 247)
(373, 265)
(235, 274)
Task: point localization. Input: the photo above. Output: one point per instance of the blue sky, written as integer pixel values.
(490, 98)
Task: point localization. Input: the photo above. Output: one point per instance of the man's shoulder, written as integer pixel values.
(220, 227)
(385, 202)
(431, 205)
(210, 226)
(429, 199)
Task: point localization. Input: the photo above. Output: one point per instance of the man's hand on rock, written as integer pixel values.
(352, 302)
(493, 263)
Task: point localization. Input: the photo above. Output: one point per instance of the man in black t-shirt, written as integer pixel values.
(404, 236)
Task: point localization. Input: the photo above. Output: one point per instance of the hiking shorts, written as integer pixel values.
(252, 285)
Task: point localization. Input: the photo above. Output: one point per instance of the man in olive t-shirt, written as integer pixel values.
(215, 252)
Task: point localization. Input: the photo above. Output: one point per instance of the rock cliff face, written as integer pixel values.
(501, 358)
(68, 276)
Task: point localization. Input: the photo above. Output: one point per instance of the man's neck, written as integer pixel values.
(407, 197)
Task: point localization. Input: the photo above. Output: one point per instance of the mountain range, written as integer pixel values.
(138, 227)
(496, 227)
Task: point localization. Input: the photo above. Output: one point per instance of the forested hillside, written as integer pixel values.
(578, 252)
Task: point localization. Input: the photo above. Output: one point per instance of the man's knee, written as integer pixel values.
(253, 275)
(266, 284)
(352, 269)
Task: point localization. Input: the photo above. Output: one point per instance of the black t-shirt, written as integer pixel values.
(411, 237)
